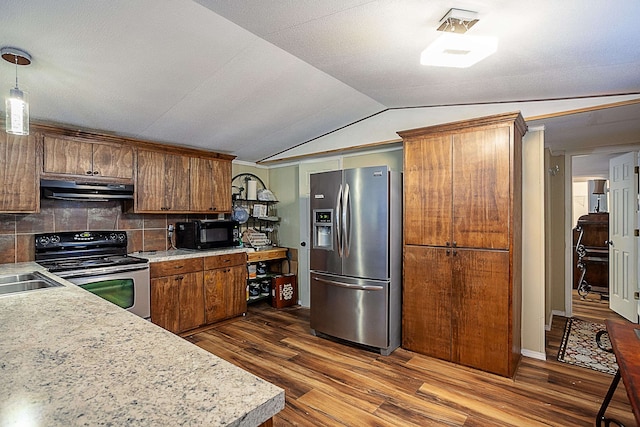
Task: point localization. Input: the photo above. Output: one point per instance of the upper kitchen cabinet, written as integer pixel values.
(210, 185)
(162, 183)
(183, 181)
(19, 185)
(103, 161)
(462, 262)
(458, 189)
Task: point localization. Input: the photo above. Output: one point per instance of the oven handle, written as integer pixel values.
(101, 271)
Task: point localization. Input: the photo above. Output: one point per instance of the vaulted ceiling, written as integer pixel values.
(255, 77)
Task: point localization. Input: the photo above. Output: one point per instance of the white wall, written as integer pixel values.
(533, 245)
(580, 200)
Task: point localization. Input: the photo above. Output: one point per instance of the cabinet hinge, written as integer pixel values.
(636, 295)
(636, 232)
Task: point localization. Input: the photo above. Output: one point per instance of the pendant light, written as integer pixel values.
(17, 107)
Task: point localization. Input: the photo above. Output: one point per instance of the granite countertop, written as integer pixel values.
(70, 358)
(174, 254)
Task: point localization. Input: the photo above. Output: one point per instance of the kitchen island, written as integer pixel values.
(68, 357)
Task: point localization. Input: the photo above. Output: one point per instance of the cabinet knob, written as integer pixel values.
(88, 172)
(455, 244)
(447, 244)
(96, 172)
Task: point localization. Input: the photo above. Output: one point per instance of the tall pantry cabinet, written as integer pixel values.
(462, 242)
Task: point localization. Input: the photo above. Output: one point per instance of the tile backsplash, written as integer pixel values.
(145, 232)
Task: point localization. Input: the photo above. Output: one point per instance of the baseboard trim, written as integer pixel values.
(534, 354)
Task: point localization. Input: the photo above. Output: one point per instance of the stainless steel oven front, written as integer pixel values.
(127, 286)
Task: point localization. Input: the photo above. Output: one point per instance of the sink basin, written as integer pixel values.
(13, 283)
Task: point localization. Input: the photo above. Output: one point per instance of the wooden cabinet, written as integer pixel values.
(210, 185)
(177, 299)
(162, 182)
(178, 183)
(189, 293)
(462, 254)
(225, 286)
(84, 158)
(19, 182)
(461, 203)
(190, 298)
(427, 301)
(260, 283)
(165, 310)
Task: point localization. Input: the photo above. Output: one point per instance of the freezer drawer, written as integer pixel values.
(352, 309)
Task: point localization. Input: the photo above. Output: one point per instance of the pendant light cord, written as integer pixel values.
(16, 59)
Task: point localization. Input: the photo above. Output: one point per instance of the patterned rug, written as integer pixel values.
(579, 347)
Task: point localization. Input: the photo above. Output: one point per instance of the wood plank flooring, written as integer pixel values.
(332, 384)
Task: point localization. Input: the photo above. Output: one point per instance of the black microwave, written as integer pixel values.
(207, 234)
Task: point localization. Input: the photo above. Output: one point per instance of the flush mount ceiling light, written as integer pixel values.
(17, 107)
(454, 48)
(458, 21)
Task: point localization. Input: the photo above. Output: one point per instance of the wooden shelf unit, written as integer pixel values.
(266, 256)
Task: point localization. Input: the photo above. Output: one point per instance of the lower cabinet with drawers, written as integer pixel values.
(193, 292)
(225, 286)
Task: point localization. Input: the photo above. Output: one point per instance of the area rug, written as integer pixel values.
(579, 347)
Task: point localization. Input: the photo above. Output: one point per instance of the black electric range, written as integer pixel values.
(83, 250)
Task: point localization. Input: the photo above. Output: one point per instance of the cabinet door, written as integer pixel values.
(225, 292)
(162, 183)
(190, 297)
(67, 156)
(164, 303)
(222, 185)
(150, 181)
(210, 185)
(176, 183)
(18, 177)
(426, 302)
(482, 310)
(112, 161)
(214, 294)
(482, 199)
(427, 191)
(237, 290)
(202, 186)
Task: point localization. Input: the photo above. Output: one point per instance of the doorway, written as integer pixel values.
(588, 265)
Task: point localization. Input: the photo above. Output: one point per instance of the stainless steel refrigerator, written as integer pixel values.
(356, 256)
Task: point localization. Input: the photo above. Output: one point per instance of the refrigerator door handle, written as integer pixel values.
(346, 221)
(338, 221)
(346, 285)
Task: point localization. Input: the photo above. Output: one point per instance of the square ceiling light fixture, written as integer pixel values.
(455, 48)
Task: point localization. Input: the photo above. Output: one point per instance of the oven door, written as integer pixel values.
(126, 286)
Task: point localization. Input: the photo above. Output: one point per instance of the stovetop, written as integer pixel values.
(88, 263)
(81, 250)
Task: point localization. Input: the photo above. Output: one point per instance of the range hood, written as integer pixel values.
(85, 191)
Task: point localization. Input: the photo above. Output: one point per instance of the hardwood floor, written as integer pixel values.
(332, 384)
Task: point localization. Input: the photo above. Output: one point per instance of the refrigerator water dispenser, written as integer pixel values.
(323, 229)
